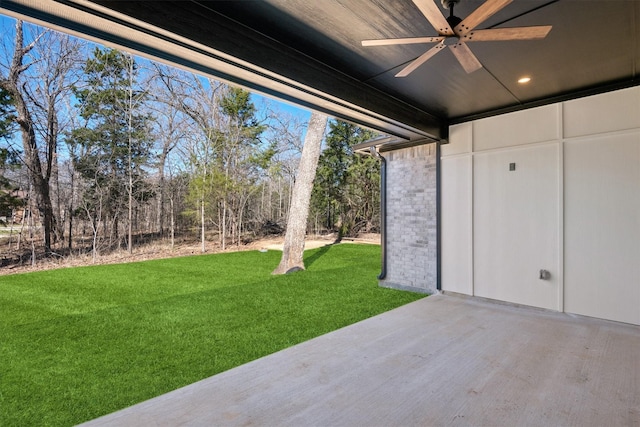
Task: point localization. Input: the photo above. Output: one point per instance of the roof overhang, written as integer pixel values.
(310, 53)
(102, 25)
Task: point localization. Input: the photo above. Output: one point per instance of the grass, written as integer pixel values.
(82, 342)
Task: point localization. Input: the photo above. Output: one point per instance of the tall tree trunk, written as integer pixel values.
(39, 176)
(130, 212)
(130, 157)
(173, 224)
(32, 238)
(293, 251)
(202, 230)
(161, 193)
(51, 171)
(70, 237)
(223, 239)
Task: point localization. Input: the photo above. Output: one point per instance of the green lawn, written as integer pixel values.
(83, 342)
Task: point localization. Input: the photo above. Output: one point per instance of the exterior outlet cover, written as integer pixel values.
(512, 166)
(545, 275)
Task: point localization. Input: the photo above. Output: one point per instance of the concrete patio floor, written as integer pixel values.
(443, 360)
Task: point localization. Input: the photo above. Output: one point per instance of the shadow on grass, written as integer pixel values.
(308, 261)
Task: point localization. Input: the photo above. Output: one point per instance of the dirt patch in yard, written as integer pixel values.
(316, 241)
(162, 249)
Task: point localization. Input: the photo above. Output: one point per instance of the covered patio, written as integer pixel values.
(446, 359)
(443, 360)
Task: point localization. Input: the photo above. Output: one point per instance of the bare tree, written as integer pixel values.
(198, 99)
(293, 251)
(287, 131)
(169, 130)
(49, 91)
(35, 96)
(24, 117)
(93, 211)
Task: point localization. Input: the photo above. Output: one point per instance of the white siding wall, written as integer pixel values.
(516, 223)
(572, 206)
(457, 210)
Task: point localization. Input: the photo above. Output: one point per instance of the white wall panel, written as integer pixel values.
(456, 222)
(602, 227)
(523, 127)
(516, 225)
(607, 112)
(572, 206)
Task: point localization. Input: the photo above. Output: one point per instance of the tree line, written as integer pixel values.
(100, 150)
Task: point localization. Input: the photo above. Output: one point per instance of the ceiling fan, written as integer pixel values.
(456, 33)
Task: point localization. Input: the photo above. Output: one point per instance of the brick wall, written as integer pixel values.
(411, 219)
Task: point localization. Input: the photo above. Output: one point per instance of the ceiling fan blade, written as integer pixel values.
(479, 15)
(518, 33)
(430, 11)
(466, 58)
(420, 60)
(409, 40)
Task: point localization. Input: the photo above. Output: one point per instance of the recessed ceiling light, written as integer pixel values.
(524, 80)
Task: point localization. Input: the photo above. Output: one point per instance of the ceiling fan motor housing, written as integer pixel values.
(448, 3)
(452, 20)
